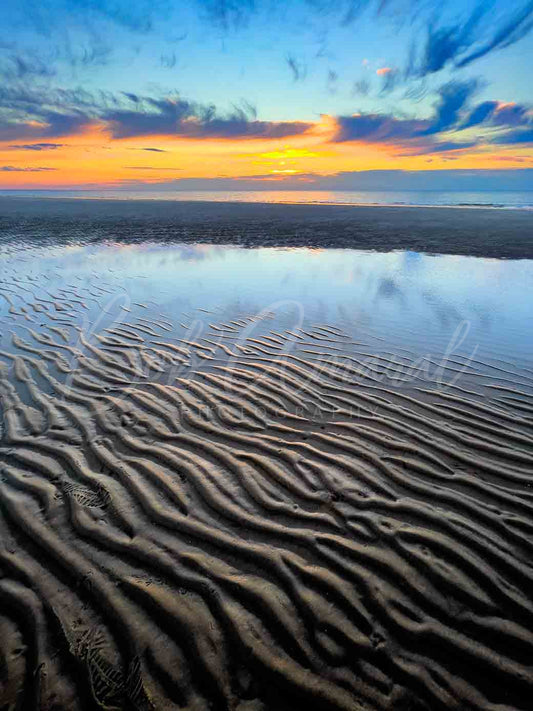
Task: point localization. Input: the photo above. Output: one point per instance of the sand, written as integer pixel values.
(490, 232)
(254, 518)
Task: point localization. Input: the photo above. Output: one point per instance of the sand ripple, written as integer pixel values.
(223, 522)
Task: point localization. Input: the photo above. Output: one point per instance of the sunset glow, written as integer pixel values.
(139, 106)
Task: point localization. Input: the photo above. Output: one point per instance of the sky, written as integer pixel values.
(255, 94)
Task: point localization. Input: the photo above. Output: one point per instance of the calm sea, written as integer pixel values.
(496, 199)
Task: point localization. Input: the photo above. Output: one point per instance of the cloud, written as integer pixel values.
(390, 78)
(16, 67)
(168, 61)
(52, 124)
(517, 27)
(452, 180)
(512, 114)
(36, 146)
(39, 114)
(461, 43)
(480, 114)
(513, 122)
(361, 88)
(298, 69)
(16, 169)
(519, 136)
(148, 167)
(331, 81)
(376, 128)
(227, 14)
(439, 147)
(507, 123)
(179, 117)
(154, 150)
(452, 99)
(138, 16)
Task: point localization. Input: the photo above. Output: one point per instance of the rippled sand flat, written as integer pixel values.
(242, 505)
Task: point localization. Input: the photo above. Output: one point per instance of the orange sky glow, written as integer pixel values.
(93, 158)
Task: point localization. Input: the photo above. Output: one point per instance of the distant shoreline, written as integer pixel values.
(464, 230)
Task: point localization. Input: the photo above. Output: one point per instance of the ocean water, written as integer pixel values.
(437, 198)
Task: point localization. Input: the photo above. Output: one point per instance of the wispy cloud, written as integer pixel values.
(228, 14)
(149, 167)
(26, 169)
(24, 66)
(298, 68)
(35, 146)
(168, 61)
(479, 33)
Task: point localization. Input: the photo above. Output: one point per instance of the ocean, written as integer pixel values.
(437, 198)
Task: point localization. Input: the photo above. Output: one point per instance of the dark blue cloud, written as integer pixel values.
(168, 61)
(482, 29)
(516, 118)
(17, 67)
(36, 146)
(26, 115)
(228, 14)
(480, 114)
(516, 137)
(453, 180)
(512, 115)
(298, 69)
(361, 88)
(516, 27)
(445, 147)
(149, 167)
(381, 127)
(136, 15)
(52, 125)
(445, 43)
(376, 128)
(178, 117)
(453, 97)
(168, 114)
(17, 169)
(462, 43)
(238, 128)
(452, 115)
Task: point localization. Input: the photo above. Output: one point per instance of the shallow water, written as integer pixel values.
(425, 303)
(264, 479)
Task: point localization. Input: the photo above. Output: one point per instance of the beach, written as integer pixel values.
(474, 231)
(265, 457)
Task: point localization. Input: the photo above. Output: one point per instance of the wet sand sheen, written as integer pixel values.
(440, 230)
(254, 518)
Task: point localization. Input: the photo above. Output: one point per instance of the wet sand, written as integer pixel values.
(253, 515)
(486, 232)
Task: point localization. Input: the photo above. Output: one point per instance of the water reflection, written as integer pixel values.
(405, 298)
